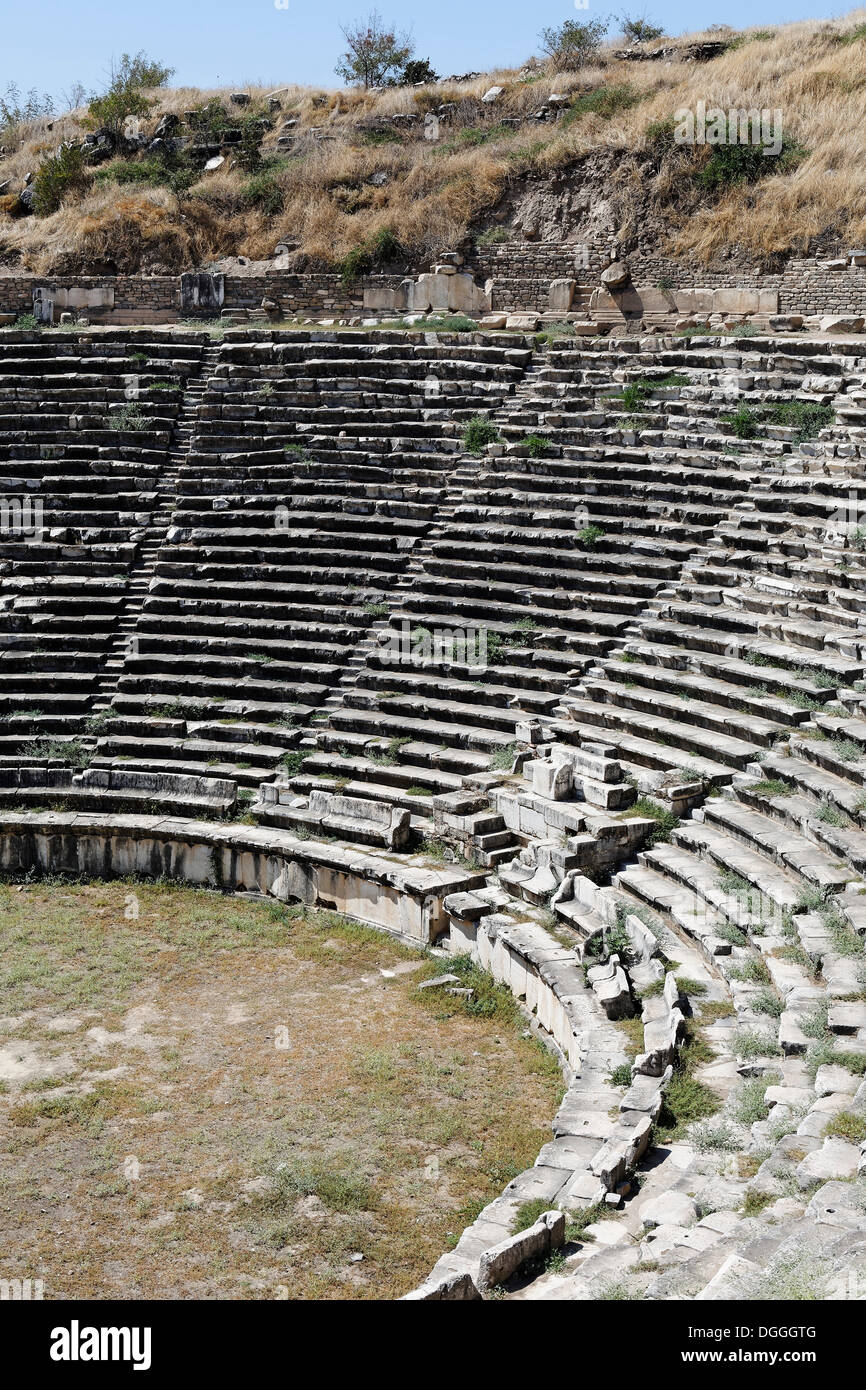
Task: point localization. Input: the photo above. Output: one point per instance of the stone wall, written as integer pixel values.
(399, 898)
(157, 299)
(523, 272)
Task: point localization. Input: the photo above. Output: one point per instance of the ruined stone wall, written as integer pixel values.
(523, 272)
(156, 299)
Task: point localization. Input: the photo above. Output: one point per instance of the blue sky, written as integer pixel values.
(54, 42)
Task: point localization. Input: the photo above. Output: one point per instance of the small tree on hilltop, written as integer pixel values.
(125, 95)
(573, 44)
(639, 29)
(375, 54)
(417, 70)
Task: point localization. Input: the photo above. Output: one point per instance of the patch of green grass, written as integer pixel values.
(666, 821)
(771, 786)
(750, 1042)
(718, 1137)
(528, 1213)
(293, 762)
(753, 970)
(747, 1103)
(621, 1075)
(605, 102)
(756, 1202)
(729, 931)
(766, 1002)
(848, 1125)
(503, 759)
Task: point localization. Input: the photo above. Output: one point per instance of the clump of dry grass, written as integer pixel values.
(434, 194)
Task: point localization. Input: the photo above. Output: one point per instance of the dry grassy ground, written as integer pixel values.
(813, 71)
(224, 1099)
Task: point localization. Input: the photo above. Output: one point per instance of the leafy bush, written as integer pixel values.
(536, 444)
(125, 95)
(639, 29)
(493, 236)
(573, 44)
(736, 163)
(743, 422)
(479, 433)
(265, 192)
(417, 70)
(63, 173)
(383, 246)
(128, 417)
(503, 759)
(590, 536)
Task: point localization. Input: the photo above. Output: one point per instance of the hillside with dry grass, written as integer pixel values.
(348, 178)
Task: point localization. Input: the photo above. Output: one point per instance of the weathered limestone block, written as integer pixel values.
(383, 297)
(668, 1209)
(837, 1159)
(501, 1261)
(561, 296)
(842, 323)
(616, 277)
(450, 1288)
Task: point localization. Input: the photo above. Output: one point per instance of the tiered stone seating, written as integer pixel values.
(87, 492)
(318, 464)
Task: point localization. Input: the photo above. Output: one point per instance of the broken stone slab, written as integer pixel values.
(616, 277)
(830, 1079)
(646, 1093)
(837, 1159)
(501, 1261)
(728, 1282)
(836, 1204)
(450, 1288)
(846, 1018)
(440, 982)
(841, 323)
(522, 323)
(668, 1209)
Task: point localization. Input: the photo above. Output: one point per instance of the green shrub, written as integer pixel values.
(736, 163)
(125, 95)
(748, 1104)
(493, 236)
(383, 246)
(750, 1042)
(590, 536)
(536, 444)
(847, 1125)
(743, 422)
(128, 418)
(294, 762)
(503, 759)
(479, 433)
(62, 174)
